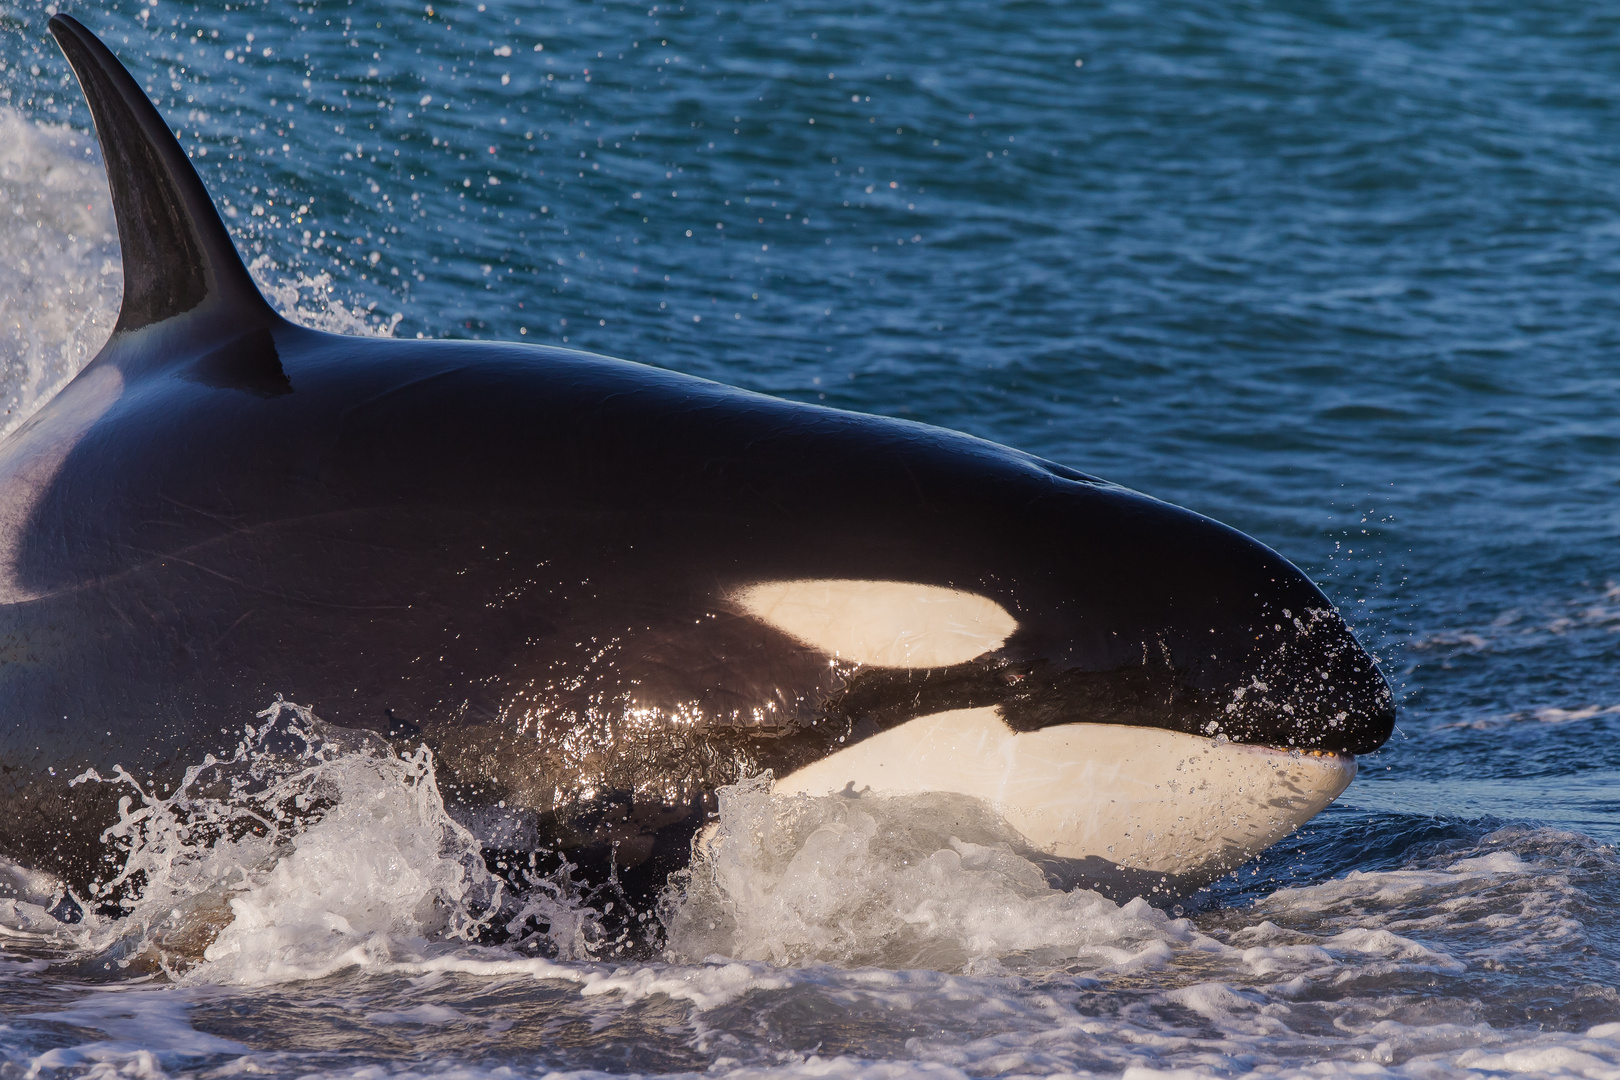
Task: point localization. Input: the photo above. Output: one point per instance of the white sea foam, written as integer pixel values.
(147, 1030)
(301, 851)
(923, 881)
(788, 900)
(313, 851)
(310, 851)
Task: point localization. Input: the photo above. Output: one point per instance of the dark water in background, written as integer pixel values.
(1342, 275)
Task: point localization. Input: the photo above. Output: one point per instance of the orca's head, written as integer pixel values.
(1094, 605)
(1146, 696)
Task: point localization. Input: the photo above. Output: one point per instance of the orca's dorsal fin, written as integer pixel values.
(177, 254)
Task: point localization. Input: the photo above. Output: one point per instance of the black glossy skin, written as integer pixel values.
(524, 557)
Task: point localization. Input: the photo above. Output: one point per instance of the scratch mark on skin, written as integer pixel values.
(242, 619)
(277, 595)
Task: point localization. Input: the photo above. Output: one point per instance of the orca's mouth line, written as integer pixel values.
(1344, 757)
(1031, 696)
(905, 649)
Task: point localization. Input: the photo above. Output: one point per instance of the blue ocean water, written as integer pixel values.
(1342, 275)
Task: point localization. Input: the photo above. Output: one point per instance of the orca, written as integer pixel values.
(599, 590)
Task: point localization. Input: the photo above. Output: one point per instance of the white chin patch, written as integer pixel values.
(1141, 798)
(889, 624)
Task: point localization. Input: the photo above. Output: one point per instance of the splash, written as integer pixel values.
(62, 276)
(306, 844)
(318, 852)
(311, 300)
(935, 881)
(310, 850)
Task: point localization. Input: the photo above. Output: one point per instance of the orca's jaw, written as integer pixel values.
(1110, 801)
(1160, 775)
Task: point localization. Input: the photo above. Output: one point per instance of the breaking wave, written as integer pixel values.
(315, 854)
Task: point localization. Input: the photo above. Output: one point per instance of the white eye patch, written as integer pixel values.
(889, 624)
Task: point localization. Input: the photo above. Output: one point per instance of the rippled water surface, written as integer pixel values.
(1342, 275)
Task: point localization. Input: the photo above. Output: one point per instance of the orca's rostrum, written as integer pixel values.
(600, 590)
